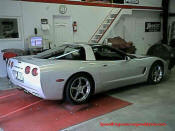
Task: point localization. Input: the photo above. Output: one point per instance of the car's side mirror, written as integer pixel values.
(128, 58)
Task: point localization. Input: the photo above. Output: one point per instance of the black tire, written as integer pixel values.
(156, 73)
(70, 92)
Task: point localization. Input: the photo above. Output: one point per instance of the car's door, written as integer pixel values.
(115, 68)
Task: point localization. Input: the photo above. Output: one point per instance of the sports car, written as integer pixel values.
(74, 72)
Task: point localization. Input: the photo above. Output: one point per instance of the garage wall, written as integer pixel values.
(152, 3)
(129, 27)
(143, 40)
(132, 28)
(87, 20)
(30, 13)
(171, 6)
(172, 10)
(12, 9)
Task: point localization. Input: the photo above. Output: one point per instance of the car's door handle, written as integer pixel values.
(105, 65)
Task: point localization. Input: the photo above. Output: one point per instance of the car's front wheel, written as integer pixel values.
(79, 89)
(156, 73)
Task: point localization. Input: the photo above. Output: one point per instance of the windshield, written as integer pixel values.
(65, 52)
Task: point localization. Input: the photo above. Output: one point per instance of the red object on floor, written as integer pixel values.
(24, 112)
(8, 55)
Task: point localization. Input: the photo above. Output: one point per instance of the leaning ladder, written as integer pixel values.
(105, 25)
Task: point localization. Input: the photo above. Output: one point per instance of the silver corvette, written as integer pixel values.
(77, 71)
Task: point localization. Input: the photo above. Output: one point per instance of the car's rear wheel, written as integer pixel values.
(156, 73)
(79, 89)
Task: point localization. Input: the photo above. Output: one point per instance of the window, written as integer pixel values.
(9, 28)
(65, 52)
(107, 53)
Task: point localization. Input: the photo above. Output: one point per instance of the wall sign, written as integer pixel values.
(132, 1)
(44, 21)
(152, 26)
(62, 9)
(44, 24)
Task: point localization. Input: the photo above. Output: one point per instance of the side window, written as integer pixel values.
(72, 54)
(80, 54)
(106, 53)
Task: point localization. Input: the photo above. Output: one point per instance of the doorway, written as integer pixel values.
(63, 32)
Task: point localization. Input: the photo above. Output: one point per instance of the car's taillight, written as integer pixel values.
(27, 70)
(35, 72)
(11, 64)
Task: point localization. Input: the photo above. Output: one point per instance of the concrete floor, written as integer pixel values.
(4, 84)
(151, 103)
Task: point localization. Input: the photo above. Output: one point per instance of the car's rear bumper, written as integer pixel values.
(36, 92)
(39, 92)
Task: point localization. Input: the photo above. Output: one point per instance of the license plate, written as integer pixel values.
(19, 76)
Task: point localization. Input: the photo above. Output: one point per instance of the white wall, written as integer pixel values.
(172, 10)
(153, 3)
(10, 9)
(171, 6)
(132, 28)
(88, 18)
(143, 40)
